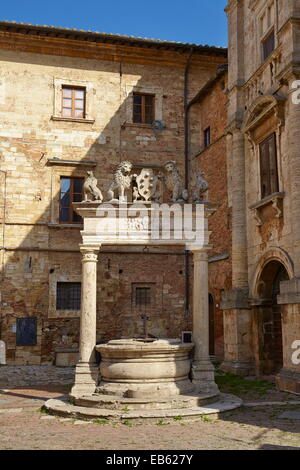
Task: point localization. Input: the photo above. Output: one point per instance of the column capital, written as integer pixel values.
(200, 255)
(89, 253)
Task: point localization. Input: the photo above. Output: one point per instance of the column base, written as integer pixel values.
(86, 379)
(288, 381)
(203, 377)
(243, 368)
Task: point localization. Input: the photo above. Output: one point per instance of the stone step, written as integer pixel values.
(113, 402)
(63, 408)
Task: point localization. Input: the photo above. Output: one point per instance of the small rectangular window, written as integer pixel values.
(73, 102)
(26, 331)
(207, 137)
(268, 45)
(143, 108)
(142, 296)
(186, 337)
(68, 295)
(71, 190)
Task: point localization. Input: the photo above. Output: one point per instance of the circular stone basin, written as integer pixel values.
(141, 369)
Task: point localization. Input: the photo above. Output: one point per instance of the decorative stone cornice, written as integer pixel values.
(232, 4)
(261, 108)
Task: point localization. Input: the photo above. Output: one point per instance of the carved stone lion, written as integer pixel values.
(174, 183)
(90, 189)
(122, 181)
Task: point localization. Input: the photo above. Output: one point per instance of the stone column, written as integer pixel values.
(293, 127)
(202, 368)
(86, 376)
(238, 351)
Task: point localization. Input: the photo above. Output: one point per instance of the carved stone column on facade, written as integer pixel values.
(239, 226)
(202, 368)
(238, 355)
(293, 127)
(86, 377)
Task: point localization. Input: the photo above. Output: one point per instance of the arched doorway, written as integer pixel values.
(270, 318)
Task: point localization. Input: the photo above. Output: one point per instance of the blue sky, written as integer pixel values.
(193, 21)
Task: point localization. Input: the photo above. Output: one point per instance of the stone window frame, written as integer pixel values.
(53, 280)
(269, 108)
(276, 198)
(263, 35)
(67, 170)
(272, 130)
(130, 89)
(58, 84)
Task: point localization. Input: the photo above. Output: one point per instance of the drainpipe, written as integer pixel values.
(2, 248)
(187, 175)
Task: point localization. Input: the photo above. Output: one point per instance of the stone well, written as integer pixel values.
(145, 369)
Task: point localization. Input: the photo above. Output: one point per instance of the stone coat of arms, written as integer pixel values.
(146, 185)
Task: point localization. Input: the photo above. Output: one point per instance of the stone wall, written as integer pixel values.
(37, 147)
(30, 376)
(209, 112)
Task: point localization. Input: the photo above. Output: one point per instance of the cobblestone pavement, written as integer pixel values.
(24, 426)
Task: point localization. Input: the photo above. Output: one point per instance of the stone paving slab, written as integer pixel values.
(290, 415)
(271, 403)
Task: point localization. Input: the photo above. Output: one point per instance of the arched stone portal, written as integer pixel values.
(268, 324)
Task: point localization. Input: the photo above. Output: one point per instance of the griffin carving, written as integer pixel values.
(174, 183)
(90, 189)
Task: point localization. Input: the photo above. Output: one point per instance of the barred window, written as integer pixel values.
(68, 295)
(142, 296)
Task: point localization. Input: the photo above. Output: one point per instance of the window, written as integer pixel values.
(186, 337)
(143, 108)
(268, 45)
(68, 295)
(268, 167)
(26, 331)
(207, 137)
(142, 296)
(71, 190)
(73, 102)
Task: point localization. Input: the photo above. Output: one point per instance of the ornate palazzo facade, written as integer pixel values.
(262, 310)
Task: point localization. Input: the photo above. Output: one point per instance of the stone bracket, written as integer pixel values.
(276, 200)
